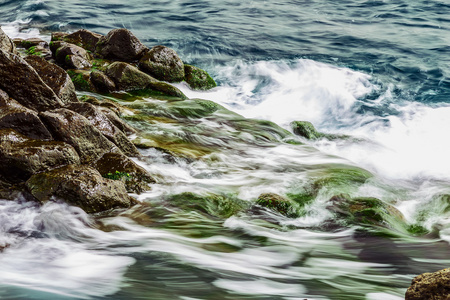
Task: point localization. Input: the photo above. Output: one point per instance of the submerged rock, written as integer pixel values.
(74, 129)
(426, 286)
(55, 77)
(82, 186)
(306, 130)
(21, 157)
(25, 121)
(277, 203)
(21, 81)
(198, 79)
(120, 44)
(163, 63)
(120, 167)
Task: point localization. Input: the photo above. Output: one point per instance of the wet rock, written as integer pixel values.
(277, 203)
(55, 77)
(74, 129)
(101, 82)
(58, 36)
(426, 286)
(82, 80)
(21, 157)
(118, 122)
(23, 83)
(73, 57)
(6, 44)
(306, 130)
(105, 126)
(82, 186)
(120, 44)
(83, 38)
(55, 45)
(163, 63)
(198, 79)
(23, 120)
(39, 51)
(129, 78)
(32, 42)
(120, 167)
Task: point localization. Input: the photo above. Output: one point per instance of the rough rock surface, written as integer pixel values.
(73, 57)
(120, 44)
(23, 83)
(105, 126)
(198, 79)
(6, 43)
(83, 38)
(101, 82)
(163, 63)
(55, 77)
(430, 286)
(15, 116)
(82, 186)
(74, 129)
(21, 157)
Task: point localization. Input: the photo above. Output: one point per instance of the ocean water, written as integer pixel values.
(378, 71)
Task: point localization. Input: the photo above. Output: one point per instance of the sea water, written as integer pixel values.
(377, 71)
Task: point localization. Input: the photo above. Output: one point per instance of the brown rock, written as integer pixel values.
(120, 44)
(6, 43)
(73, 57)
(83, 38)
(101, 82)
(163, 63)
(430, 286)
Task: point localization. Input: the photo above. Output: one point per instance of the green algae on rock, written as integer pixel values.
(198, 79)
(163, 63)
(278, 203)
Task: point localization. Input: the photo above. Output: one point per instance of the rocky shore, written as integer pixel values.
(57, 146)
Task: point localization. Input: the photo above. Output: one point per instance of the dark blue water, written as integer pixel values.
(378, 70)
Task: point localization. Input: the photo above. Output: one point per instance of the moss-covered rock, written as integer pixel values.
(82, 186)
(120, 167)
(277, 203)
(163, 63)
(434, 286)
(83, 38)
(74, 129)
(306, 130)
(120, 44)
(73, 57)
(82, 80)
(211, 204)
(198, 79)
(55, 77)
(28, 43)
(21, 81)
(21, 157)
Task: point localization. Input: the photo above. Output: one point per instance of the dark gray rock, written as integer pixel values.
(163, 63)
(83, 38)
(120, 44)
(101, 82)
(73, 57)
(74, 129)
(82, 186)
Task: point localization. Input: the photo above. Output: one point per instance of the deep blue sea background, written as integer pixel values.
(376, 70)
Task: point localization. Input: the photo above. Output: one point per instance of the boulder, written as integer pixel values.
(105, 126)
(277, 203)
(120, 44)
(101, 82)
(55, 77)
(23, 83)
(83, 38)
(118, 122)
(39, 51)
(82, 80)
(23, 120)
(74, 129)
(21, 157)
(82, 186)
(58, 36)
(306, 130)
(55, 45)
(73, 57)
(6, 44)
(426, 286)
(163, 63)
(120, 167)
(198, 79)
(129, 78)
(32, 42)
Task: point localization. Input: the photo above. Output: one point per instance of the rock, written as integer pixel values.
(198, 79)
(23, 83)
(21, 157)
(129, 78)
(426, 286)
(82, 80)
(278, 203)
(306, 130)
(101, 82)
(82, 186)
(163, 63)
(39, 51)
(55, 45)
(55, 77)
(118, 122)
(25, 121)
(120, 167)
(83, 38)
(28, 43)
(73, 57)
(6, 44)
(58, 36)
(105, 126)
(120, 44)
(74, 129)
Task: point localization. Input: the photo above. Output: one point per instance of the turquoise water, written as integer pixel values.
(376, 70)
